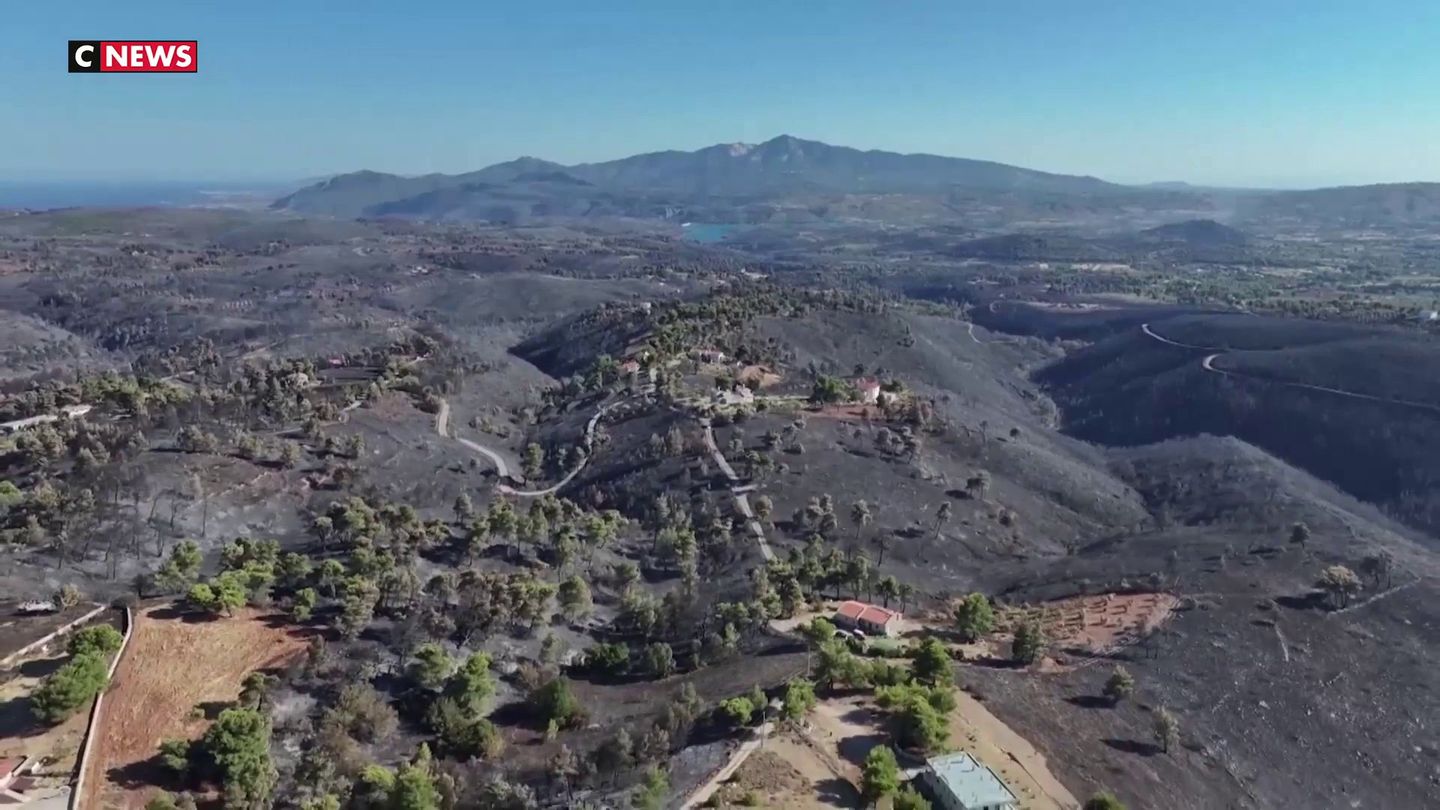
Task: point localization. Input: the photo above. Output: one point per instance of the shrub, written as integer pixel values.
(660, 660)
(610, 658)
(462, 732)
(799, 699)
(70, 687)
(974, 617)
(932, 662)
(238, 744)
(909, 799)
(1119, 686)
(1029, 643)
(68, 596)
(651, 795)
(1104, 801)
(880, 775)
(431, 667)
(302, 607)
(1167, 729)
(556, 701)
(101, 639)
(472, 683)
(165, 801)
(737, 710)
(362, 713)
(175, 755)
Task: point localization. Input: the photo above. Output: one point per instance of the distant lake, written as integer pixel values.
(706, 232)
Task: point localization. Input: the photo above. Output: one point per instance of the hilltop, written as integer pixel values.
(1204, 232)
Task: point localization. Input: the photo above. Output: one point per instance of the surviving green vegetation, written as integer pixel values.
(562, 515)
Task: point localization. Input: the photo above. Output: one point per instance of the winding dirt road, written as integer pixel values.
(442, 427)
(737, 491)
(1208, 363)
(1145, 327)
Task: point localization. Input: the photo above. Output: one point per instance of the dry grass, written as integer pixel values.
(786, 776)
(172, 666)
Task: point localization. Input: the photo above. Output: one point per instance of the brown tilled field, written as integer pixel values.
(1096, 624)
(171, 666)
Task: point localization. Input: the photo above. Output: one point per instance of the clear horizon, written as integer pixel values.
(1285, 95)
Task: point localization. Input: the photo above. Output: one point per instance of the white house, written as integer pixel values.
(872, 619)
(959, 782)
(738, 395)
(68, 411)
(869, 390)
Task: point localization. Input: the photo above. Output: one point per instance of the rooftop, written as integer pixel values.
(862, 612)
(972, 783)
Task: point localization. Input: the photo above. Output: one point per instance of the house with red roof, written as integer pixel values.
(871, 619)
(869, 390)
(12, 785)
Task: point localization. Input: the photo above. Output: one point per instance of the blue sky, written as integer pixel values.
(1266, 92)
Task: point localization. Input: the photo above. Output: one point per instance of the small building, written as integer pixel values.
(871, 619)
(630, 367)
(709, 355)
(736, 395)
(68, 411)
(959, 782)
(10, 778)
(26, 423)
(869, 390)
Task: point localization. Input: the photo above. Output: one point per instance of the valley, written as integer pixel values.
(565, 512)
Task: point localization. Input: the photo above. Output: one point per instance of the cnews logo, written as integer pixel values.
(133, 56)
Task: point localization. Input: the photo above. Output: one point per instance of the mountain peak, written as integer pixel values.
(790, 142)
(777, 167)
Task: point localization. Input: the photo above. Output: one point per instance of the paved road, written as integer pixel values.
(737, 491)
(1208, 363)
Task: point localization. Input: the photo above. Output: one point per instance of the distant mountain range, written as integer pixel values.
(790, 179)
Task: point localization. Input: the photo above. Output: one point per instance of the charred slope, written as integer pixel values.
(1274, 693)
(1199, 232)
(1200, 241)
(572, 345)
(1132, 389)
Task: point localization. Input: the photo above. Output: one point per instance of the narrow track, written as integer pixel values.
(1208, 363)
